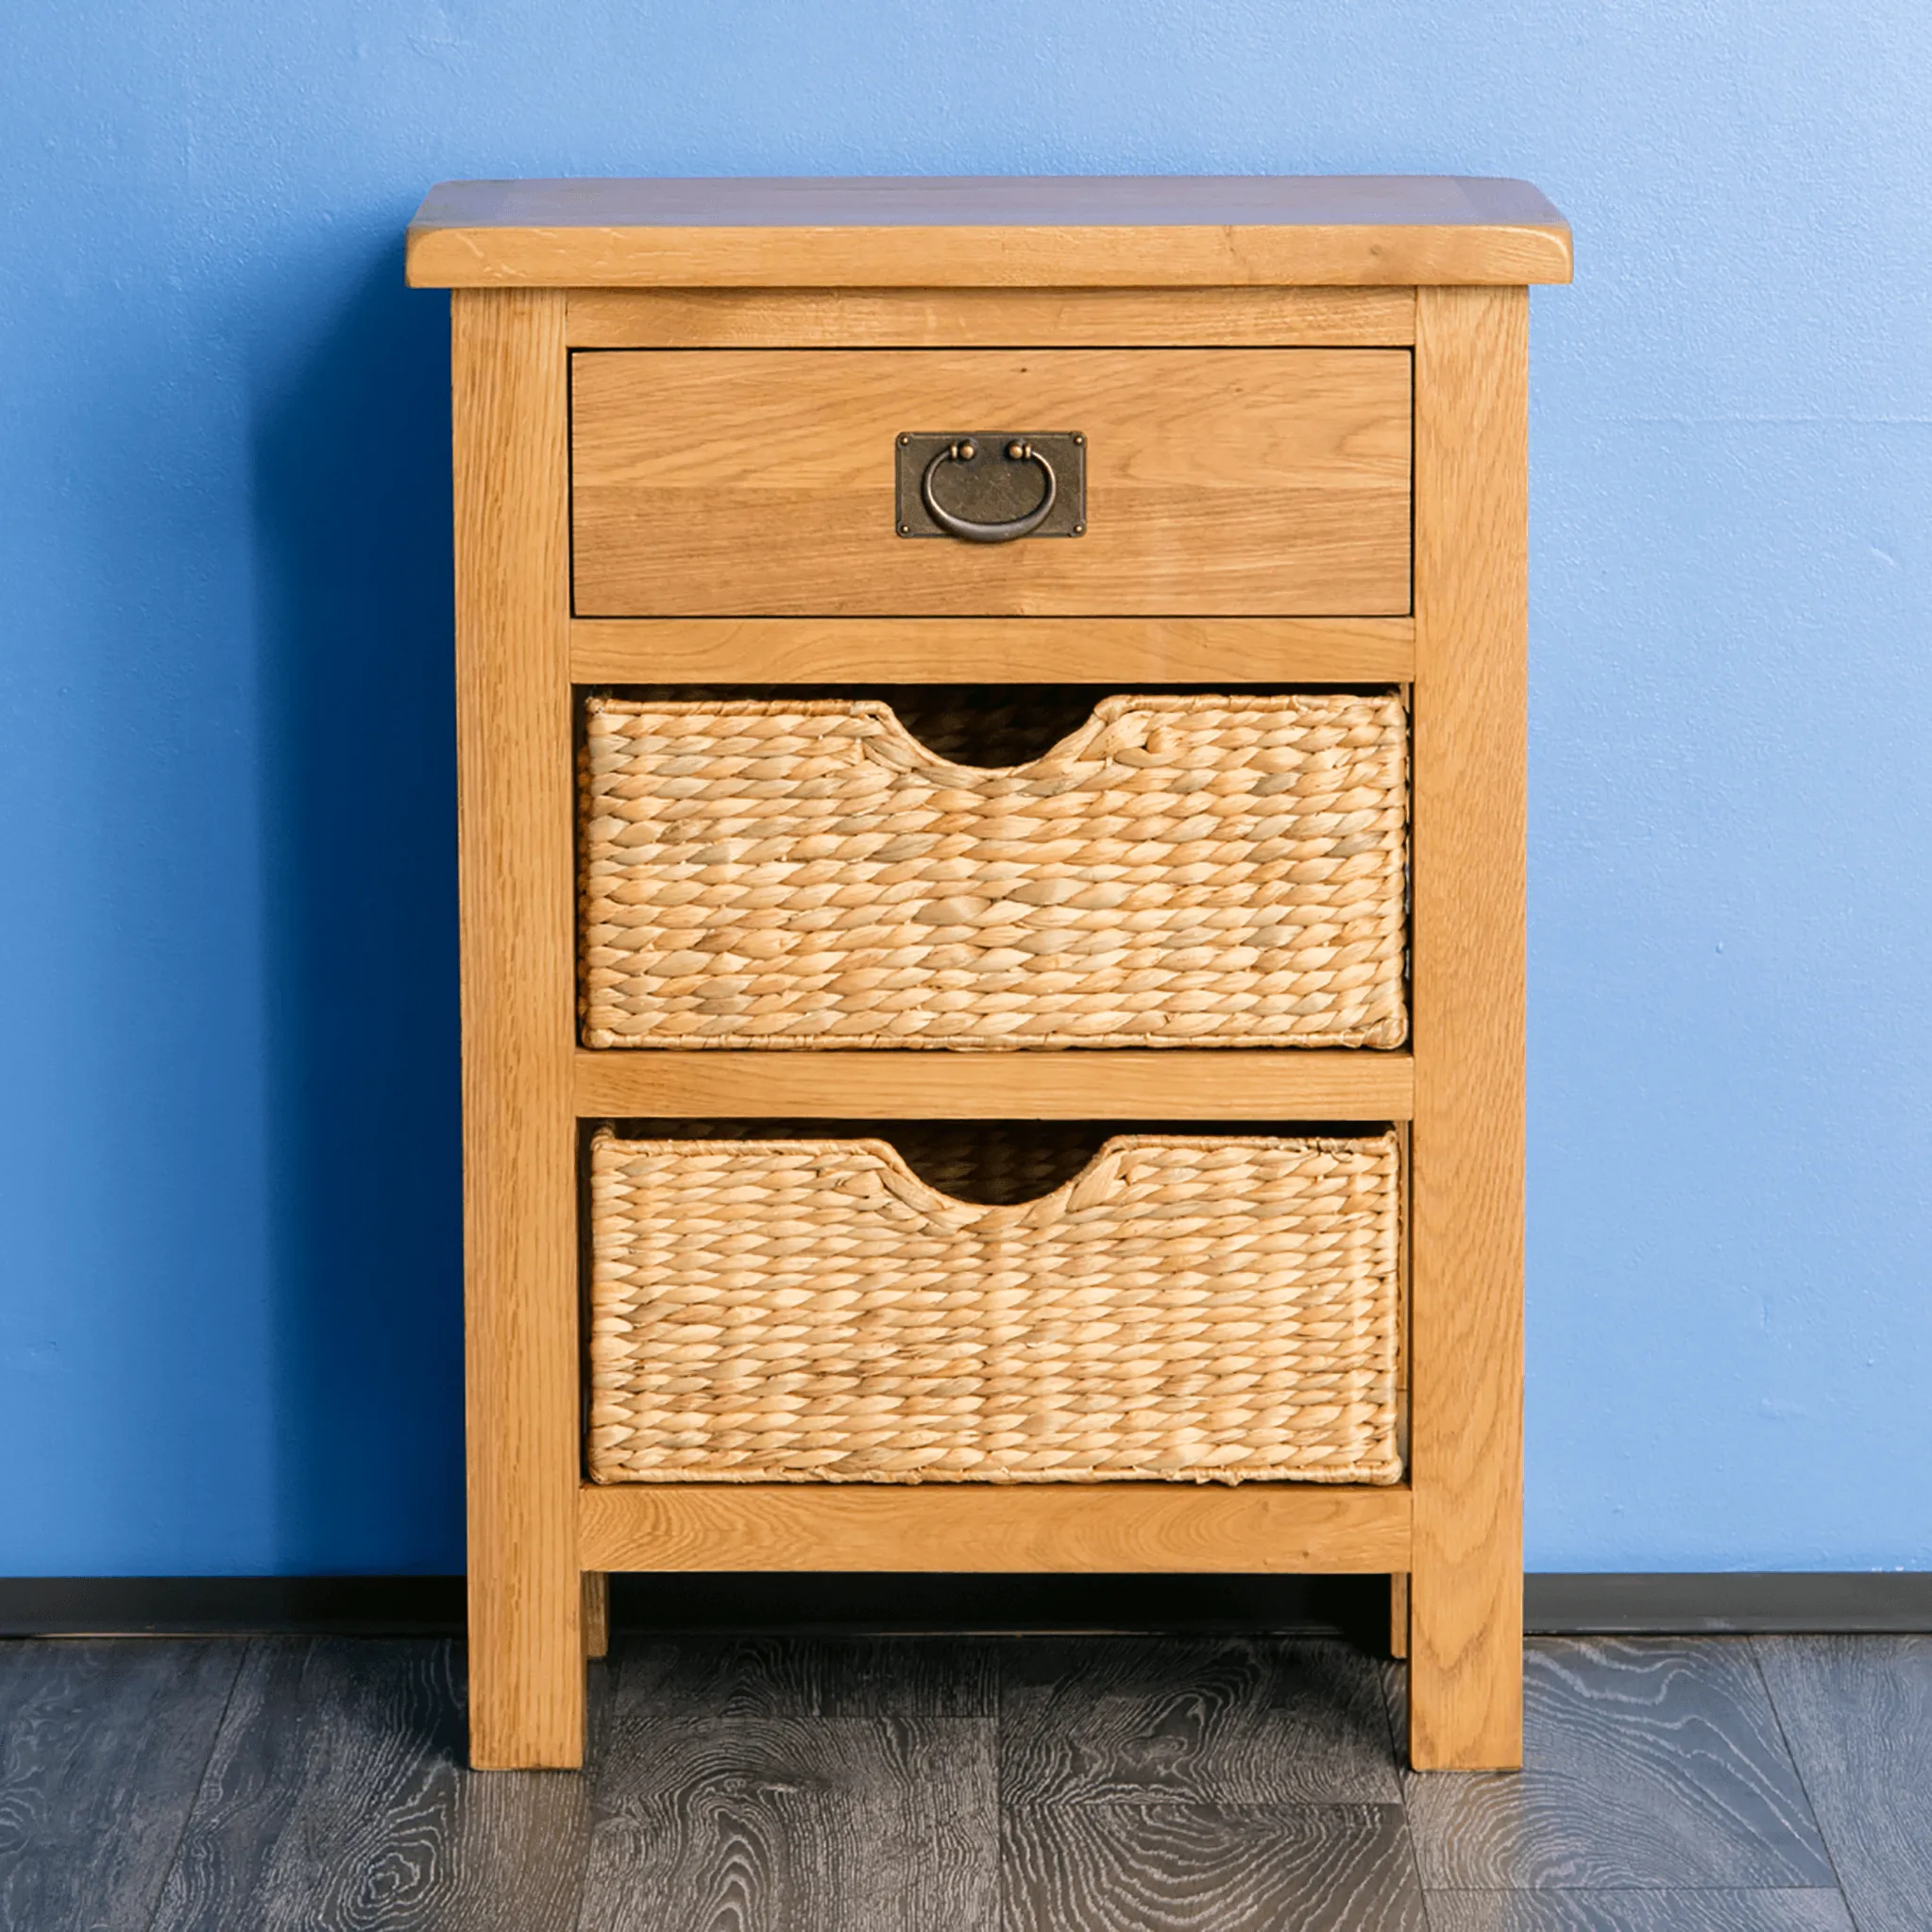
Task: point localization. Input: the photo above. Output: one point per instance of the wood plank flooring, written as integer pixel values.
(1858, 1712)
(334, 1800)
(102, 1749)
(1647, 1764)
(936, 1784)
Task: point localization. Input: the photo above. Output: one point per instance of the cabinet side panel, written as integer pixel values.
(1465, 1604)
(514, 844)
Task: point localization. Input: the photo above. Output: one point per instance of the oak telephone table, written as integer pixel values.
(746, 474)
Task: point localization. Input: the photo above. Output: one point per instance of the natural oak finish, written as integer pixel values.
(515, 853)
(994, 650)
(1015, 231)
(991, 318)
(1398, 1580)
(596, 1614)
(1466, 937)
(1305, 409)
(1030, 1529)
(1224, 481)
(1270, 1083)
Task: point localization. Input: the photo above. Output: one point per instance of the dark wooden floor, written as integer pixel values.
(1028, 1784)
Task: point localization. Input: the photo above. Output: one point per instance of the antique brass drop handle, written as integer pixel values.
(963, 527)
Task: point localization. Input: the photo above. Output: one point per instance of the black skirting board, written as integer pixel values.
(1554, 1602)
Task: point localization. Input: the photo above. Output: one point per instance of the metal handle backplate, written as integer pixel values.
(992, 487)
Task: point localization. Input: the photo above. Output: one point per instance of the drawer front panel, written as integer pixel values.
(1218, 482)
(1179, 872)
(1186, 1309)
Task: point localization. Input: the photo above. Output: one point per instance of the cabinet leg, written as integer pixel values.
(1398, 1614)
(1466, 1674)
(596, 1614)
(1466, 1192)
(526, 1673)
(509, 375)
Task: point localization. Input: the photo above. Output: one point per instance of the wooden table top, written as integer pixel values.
(993, 231)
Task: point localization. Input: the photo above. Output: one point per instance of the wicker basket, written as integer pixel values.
(1179, 872)
(1199, 1308)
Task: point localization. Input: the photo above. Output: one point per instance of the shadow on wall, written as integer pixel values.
(353, 501)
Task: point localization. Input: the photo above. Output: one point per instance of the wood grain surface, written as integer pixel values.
(1170, 1084)
(1208, 1868)
(991, 318)
(1005, 231)
(336, 1800)
(1466, 1322)
(1716, 1911)
(596, 1614)
(1228, 482)
(1061, 1782)
(102, 1745)
(1858, 1712)
(774, 1816)
(517, 950)
(754, 1676)
(1648, 1764)
(1120, 653)
(1239, 1721)
(1042, 1529)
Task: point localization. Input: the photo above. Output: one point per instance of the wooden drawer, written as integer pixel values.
(1255, 483)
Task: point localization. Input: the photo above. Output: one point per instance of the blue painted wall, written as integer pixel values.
(229, 1297)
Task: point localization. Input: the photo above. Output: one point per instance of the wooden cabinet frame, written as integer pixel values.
(540, 1537)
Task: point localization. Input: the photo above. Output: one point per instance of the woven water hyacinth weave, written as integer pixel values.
(1188, 1307)
(1179, 872)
